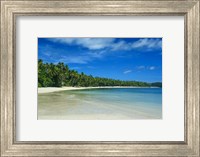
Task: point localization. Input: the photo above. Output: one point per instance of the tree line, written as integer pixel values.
(58, 75)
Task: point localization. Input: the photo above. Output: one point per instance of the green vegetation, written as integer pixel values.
(156, 84)
(58, 75)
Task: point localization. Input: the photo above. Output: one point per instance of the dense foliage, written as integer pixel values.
(51, 75)
(157, 84)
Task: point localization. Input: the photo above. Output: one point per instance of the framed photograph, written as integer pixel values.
(96, 76)
(99, 78)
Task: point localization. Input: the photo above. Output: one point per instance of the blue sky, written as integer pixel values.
(118, 58)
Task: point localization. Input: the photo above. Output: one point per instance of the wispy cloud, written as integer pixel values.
(147, 43)
(152, 68)
(142, 67)
(90, 43)
(121, 45)
(55, 55)
(127, 71)
(111, 43)
(97, 48)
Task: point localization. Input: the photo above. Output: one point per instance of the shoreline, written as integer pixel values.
(42, 90)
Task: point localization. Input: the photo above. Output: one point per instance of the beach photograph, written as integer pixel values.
(82, 78)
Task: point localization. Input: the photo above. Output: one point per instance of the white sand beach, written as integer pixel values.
(57, 89)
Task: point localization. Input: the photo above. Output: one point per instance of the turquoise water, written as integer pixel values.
(102, 104)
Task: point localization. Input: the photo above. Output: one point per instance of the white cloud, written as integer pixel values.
(90, 43)
(147, 43)
(95, 43)
(62, 40)
(102, 43)
(100, 47)
(121, 45)
(142, 67)
(144, 43)
(152, 68)
(127, 71)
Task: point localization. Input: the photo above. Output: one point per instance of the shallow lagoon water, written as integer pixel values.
(101, 104)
